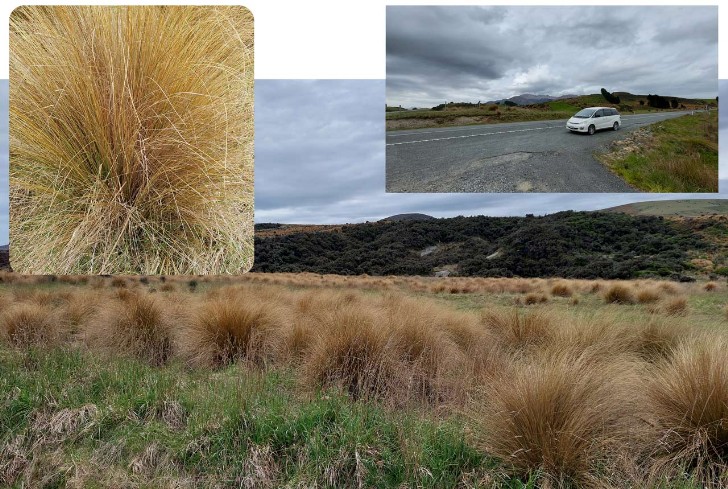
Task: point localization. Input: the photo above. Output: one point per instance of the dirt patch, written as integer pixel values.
(636, 142)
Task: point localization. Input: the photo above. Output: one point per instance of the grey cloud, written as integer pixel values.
(299, 179)
(465, 53)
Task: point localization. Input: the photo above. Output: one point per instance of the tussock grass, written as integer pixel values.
(648, 295)
(515, 330)
(619, 294)
(535, 298)
(29, 324)
(688, 398)
(224, 330)
(131, 130)
(135, 324)
(542, 418)
(562, 289)
(553, 395)
(350, 352)
(677, 306)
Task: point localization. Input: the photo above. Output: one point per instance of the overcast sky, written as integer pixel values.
(466, 53)
(319, 158)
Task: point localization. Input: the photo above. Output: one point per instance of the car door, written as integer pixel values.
(611, 117)
(599, 119)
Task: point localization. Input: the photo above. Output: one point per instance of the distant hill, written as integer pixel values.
(594, 99)
(530, 98)
(408, 217)
(684, 208)
(630, 100)
(567, 244)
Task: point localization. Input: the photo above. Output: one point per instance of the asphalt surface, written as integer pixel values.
(540, 156)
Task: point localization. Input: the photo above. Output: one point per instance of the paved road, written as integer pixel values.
(540, 156)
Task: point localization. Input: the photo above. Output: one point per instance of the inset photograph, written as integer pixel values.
(131, 140)
(552, 99)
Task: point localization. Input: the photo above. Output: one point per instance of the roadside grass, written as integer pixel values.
(484, 116)
(680, 155)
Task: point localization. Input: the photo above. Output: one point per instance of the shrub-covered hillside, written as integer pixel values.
(566, 244)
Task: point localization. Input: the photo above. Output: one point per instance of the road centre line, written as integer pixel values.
(396, 135)
(491, 133)
(474, 135)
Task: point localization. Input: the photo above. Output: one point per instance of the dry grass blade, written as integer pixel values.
(29, 324)
(131, 135)
(544, 418)
(225, 330)
(136, 324)
(689, 399)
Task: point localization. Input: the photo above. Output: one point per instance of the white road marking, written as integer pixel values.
(473, 135)
(489, 133)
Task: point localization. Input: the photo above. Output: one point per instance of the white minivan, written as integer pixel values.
(592, 119)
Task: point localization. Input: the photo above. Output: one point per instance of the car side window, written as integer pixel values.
(598, 113)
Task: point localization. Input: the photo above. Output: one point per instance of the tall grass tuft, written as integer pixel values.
(29, 324)
(224, 330)
(619, 294)
(688, 396)
(562, 417)
(131, 135)
(350, 352)
(135, 324)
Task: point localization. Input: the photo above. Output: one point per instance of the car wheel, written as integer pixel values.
(615, 126)
(592, 130)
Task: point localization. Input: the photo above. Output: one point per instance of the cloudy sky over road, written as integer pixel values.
(319, 158)
(466, 53)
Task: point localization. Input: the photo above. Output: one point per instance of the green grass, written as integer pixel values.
(678, 207)
(70, 418)
(562, 106)
(680, 156)
(149, 424)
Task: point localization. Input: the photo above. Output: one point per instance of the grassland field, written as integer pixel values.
(306, 380)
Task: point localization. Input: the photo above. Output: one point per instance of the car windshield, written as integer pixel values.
(585, 113)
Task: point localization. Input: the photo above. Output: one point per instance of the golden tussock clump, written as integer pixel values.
(619, 294)
(710, 287)
(224, 330)
(349, 351)
(562, 289)
(29, 324)
(134, 324)
(131, 136)
(535, 298)
(688, 399)
(515, 330)
(677, 306)
(562, 416)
